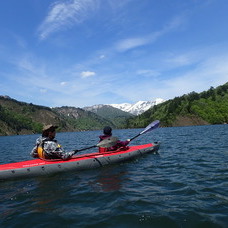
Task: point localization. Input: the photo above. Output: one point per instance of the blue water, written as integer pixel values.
(186, 185)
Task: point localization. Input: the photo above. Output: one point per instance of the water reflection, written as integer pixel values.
(14, 194)
(109, 179)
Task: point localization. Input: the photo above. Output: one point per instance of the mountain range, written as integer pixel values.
(18, 117)
(207, 107)
(23, 118)
(138, 107)
(133, 109)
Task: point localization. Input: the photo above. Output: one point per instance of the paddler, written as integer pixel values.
(107, 132)
(47, 146)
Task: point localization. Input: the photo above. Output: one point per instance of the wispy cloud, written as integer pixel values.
(86, 74)
(180, 60)
(207, 71)
(65, 14)
(148, 73)
(63, 83)
(129, 43)
(43, 91)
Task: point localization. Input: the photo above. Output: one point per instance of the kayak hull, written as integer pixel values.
(38, 167)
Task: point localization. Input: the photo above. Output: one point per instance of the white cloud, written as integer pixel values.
(63, 15)
(210, 72)
(86, 74)
(206, 72)
(63, 83)
(130, 43)
(181, 60)
(25, 64)
(101, 56)
(43, 91)
(148, 73)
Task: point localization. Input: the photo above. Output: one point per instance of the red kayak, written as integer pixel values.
(38, 167)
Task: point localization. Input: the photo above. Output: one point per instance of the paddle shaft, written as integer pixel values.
(135, 137)
(104, 143)
(87, 148)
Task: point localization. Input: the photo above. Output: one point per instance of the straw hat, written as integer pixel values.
(49, 127)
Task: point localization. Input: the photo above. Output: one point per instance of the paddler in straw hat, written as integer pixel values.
(47, 146)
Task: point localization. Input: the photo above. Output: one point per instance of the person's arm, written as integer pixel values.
(123, 143)
(54, 150)
(34, 152)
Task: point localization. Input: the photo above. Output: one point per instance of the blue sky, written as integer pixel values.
(85, 52)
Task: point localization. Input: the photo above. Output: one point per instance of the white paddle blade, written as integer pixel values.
(108, 142)
(152, 126)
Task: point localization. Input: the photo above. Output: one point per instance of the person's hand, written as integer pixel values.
(71, 153)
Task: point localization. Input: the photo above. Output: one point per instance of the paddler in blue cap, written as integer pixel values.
(47, 146)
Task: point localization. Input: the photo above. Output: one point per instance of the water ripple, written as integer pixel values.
(184, 186)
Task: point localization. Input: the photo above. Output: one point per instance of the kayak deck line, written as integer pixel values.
(131, 148)
(36, 167)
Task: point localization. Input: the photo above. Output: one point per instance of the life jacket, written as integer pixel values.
(103, 149)
(40, 151)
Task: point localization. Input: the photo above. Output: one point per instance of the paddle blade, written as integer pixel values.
(108, 142)
(150, 127)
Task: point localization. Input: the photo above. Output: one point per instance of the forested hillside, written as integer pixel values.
(116, 116)
(82, 120)
(208, 107)
(22, 118)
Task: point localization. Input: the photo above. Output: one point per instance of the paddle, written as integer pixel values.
(150, 127)
(111, 141)
(108, 142)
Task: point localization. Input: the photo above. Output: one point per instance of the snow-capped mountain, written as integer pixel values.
(139, 107)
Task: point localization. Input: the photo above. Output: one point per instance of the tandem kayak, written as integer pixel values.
(38, 167)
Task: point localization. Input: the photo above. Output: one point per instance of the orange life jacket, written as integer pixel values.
(40, 152)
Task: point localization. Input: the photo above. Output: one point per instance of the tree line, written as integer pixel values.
(210, 106)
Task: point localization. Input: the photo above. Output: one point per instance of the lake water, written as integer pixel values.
(186, 185)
